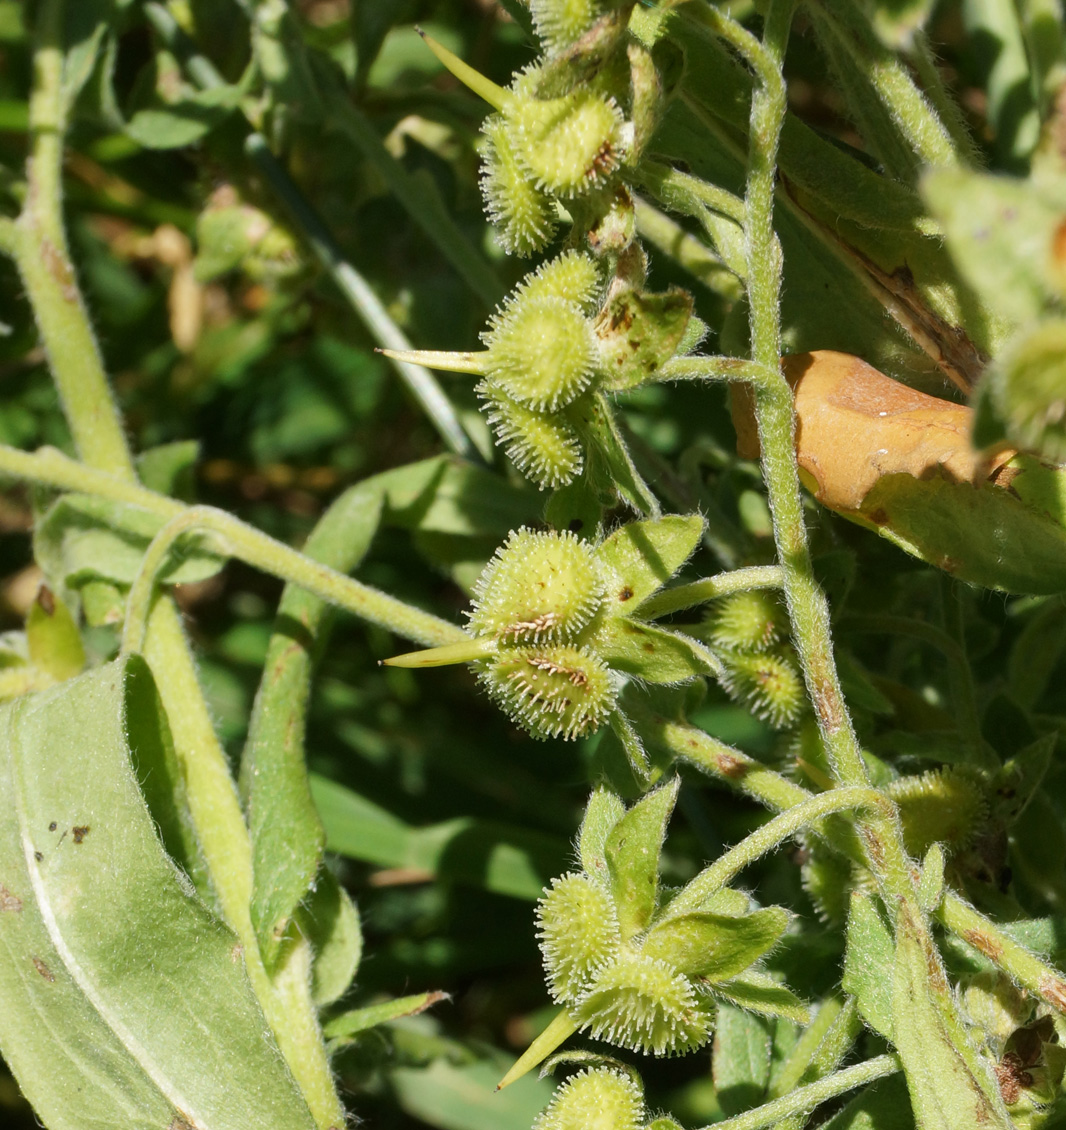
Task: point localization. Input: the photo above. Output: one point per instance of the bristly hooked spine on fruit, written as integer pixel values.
(596, 1098)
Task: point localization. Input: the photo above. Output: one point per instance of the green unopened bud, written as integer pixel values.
(568, 145)
(561, 22)
(748, 621)
(523, 214)
(541, 352)
(643, 1004)
(545, 448)
(572, 276)
(553, 691)
(594, 1099)
(578, 933)
(944, 806)
(538, 586)
(769, 684)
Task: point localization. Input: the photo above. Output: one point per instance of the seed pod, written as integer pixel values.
(643, 1004)
(545, 448)
(561, 22)
(945, 806)
(598, 1098)
(553, 691)
(537, 587)
(748, 621)
(568, 145)
(572, 276)
(542, 352)
(768, 683)
(578, 932)
(523, 214)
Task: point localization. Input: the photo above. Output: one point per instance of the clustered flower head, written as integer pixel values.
(555, 624)
(632, 965)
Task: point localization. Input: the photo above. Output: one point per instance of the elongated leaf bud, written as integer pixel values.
(522, 213)
(643, 1004)
(578, 932)
(553, 691)
(538, 587)
(598, 1098)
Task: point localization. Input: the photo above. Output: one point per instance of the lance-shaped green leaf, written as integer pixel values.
(652, 654)
(84, 538)
(946, 1092)
(639, 558)
(632, 850)
(715, 946)
(348, 1025)
(868, 962)
(755, 991)
(639, 333)
(602, 813)
(287, 834)
(126, 1002)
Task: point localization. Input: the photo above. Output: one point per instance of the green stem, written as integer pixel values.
(772, 834)
(807, 1098)
(715, 369)
(235, 539)
(700, 261)
(43, 260)
(744, 774)
(711, 588)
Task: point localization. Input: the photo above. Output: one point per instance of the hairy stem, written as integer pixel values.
(234, 538)
(711, 588)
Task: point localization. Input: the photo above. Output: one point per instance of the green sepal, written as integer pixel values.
(651, 654)
(603, 812)
(868, 962)
(715, 946)
(632, 850)
(52, 637)
(639, 558)
(755, 991)
(639, 333)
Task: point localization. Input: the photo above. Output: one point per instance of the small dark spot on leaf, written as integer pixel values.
(649, 648)
(626, 594)
(52, 827)
(80, 832)
(38, 855)
(43, 969)
(46, 600)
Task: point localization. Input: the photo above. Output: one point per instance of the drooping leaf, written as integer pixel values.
(652, 654)
(740, 1062)
(715, 946)
(497, 857)
(632, 849)
(125, 1000)
(945, 1091)
(333, 927)
(85, 538)
(640, 557)
(758, 992)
